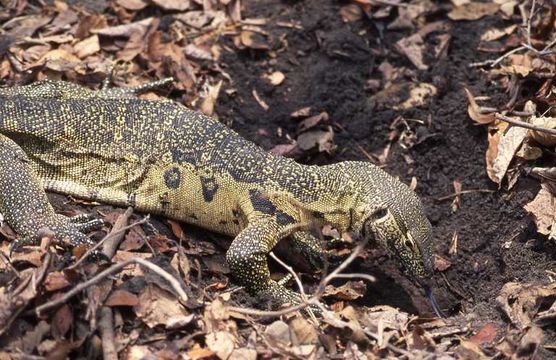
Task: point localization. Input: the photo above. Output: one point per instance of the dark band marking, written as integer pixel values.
(172, 178)
(261, 203)
(284, 219)
(209, 187)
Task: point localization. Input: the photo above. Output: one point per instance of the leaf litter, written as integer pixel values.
(79, 44)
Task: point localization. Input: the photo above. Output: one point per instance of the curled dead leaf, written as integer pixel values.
(543, 209)
(276, 78)
(542, 137)
(475, 111)
(520, 301)
(508, 145)
(349, 291)
(473, 11)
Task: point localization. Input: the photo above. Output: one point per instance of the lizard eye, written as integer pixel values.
(409, 244)
(378, 214)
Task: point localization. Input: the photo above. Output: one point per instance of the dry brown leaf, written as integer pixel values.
(508, 145)
(134, 239)
(542, 137)
(276, 78)
(495, 132)
(87, 47)
(519, 301)
(349, 291)
(179, 5)
(303, 112)
(475, 111)
(507, 7)
(61, 321)
(495, 34)
(543, 209)
(59, 60)
(440, 263)
(198, 352)
(158, 307)
(126, 30)
(412, 47)
(121, 298)
(24, 26)
(198, 52)
(197, 19)
(209, 98)
(56, 281)
(312, 121)
(89, 23)
(253, 40)
(470, 350)
(133, 5)
(351, 13)
(323, 140)
(486, 334)
(419, 94)
(221, 343)
(243, 354)
(303, 330)
(279, 333)
(283, 149)
(473, 11)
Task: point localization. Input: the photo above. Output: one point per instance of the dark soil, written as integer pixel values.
(327, 65)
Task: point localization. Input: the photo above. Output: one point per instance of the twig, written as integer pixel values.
(110, 271)
(106, 327)
(524, 124)
(297, 281)
(111, 235)
(367, 277)
(109, 247)
(470, 191)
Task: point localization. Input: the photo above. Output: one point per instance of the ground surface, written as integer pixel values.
(338, 67)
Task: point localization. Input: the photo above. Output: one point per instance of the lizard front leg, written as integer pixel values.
(23, 201)
(247, 257)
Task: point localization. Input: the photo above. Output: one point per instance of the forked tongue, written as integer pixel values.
(432, 301)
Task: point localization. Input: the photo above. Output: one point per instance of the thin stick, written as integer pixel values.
(524, 124)
(110, 271)
(106, 327)
(470, 191)
(106, 238)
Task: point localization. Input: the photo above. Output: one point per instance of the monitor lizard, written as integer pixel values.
(160, 157)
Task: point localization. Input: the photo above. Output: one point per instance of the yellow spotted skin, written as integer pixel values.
(162, 158)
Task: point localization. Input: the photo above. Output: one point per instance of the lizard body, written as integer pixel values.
(160, 157)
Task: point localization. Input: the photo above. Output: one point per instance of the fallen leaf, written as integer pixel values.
(198, 52)
(179, 5)
(276, 78)
(470, 350)
(283, 149)
(253, 40)
(126, 30)
(351, 13)
(544, 138)
(303, 112)
(473, 11)
(495, 34)
(87, 47)
(475, 111)
(56, 281)
(520, 301)
(543, 209)
(485, 335)
(303, 330)
(508, 145)
(279, 333)
(198, 352)
(209, 97)
(197, 19)
(412, 47)
(349, 291)
(134, 239)
(221, 343)
(61, 321)
(312, 121)
(121, 298)
(24, 26)
(323, 140)
(133, 5)
(419, 94)
(440, 263)
(158, 307)
(243, 354)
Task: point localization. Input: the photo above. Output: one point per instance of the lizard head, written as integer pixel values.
(389, 212)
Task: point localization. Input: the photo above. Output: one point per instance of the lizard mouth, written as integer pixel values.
(432, 301)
